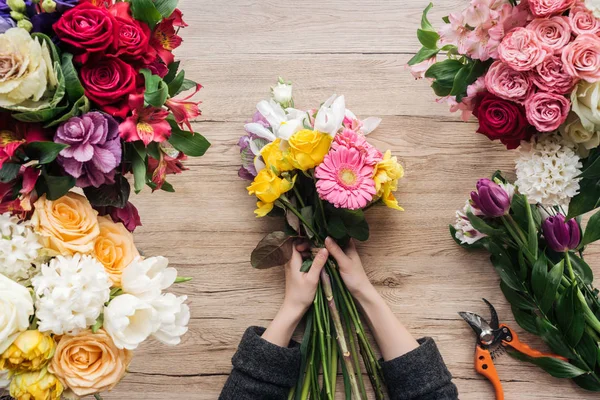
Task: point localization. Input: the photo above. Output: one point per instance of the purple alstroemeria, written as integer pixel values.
(6, 23)
(94, 150)
(561, 235)
(250, 146)
(490, 198)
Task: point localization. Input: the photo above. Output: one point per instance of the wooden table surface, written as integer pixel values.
(207, 229)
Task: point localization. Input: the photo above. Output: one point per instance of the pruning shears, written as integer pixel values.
(492, 340)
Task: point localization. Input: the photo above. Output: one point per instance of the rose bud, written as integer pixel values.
(561, 236)
(490, 198)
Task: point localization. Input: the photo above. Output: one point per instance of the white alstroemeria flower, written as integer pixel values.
(330, 117)
(367, 125)
(464, 230)
(174, 317)
(129, 321)
(16, 306)
(147, 278)
(283, 125)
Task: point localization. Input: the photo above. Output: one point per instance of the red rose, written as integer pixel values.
(109, 83)
(87, 29)
(502, 120)
(133, 37)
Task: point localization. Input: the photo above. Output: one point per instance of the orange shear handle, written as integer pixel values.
(521, 347)
(485, 366)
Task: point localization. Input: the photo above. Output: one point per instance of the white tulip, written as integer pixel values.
(330, 117)
(147, 278)
(174, 317)
(16, 306)
(129, 321)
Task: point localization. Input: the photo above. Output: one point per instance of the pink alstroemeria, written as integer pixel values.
(147, 123)
(184, 110)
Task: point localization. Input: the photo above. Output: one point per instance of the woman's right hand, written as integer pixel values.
(351, 268)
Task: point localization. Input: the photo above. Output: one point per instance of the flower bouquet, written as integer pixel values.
(317, 169)
(87, 99)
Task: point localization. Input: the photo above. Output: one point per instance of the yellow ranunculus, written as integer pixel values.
(30, 351)
(273, 156)
(37, 385)
(308, 148)
(387, 173)
(114, 248)
(268, 187)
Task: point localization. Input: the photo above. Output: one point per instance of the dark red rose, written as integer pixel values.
(87, 29)
(133, 37)
(501, 119)
(108, 83)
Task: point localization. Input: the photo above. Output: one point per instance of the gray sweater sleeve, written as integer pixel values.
(264, 371)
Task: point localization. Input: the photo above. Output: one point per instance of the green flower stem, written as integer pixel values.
(569, 266)
(590, 317)
(299, 197)
(309, 367)
(319, 314)
(333, 367)
(354, 351)
(97, 396)
(517, 228)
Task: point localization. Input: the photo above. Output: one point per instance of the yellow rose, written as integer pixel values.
(89, 363)
(37, 385)
(268, 187)
(30, 351)
(68, 225)
(308, 148)
(114, 248)
(273, 156)
(387, 173)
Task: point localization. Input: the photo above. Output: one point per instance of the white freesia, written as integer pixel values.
(26, 70)
(147, 278)
(282, 93)
(173, 316)
(585, 100)
(19, 249)
(129, 321)
(283, 124)
(593, 6)
(464, 229)
(71, 292)
(574, 131)
(16, 306)
(330, 117)
(547, 168)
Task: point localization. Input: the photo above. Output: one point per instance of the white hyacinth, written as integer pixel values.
(19, 249)
(71, 292)
(546, 168)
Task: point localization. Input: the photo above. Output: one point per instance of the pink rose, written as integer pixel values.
(546, 8)
(522, 50)
(554, 32)
(547, 111)
(505, 82)
(583, 20)
(581, 57)
(551, 76)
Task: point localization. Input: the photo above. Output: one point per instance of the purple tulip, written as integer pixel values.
(561, 236)
(490, 198)
(94, 148)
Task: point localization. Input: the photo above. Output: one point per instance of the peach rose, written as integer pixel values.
(89, 363)
(583, 21)
(114, 248)
(68, 225)
(582, 57)
(522, 50)
(547, 111)
(546, 8)
(505, 82)
(554, 32)
(551, 76)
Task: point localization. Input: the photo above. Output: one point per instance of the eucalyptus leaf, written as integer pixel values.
(273, 250)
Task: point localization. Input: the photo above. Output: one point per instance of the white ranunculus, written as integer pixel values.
(129, 321)
(330, 117)
(594, 7)
(26, 70)
(16, 306)
(71, 292)
(574, 131)
(282, 93)
(174, 317)
(147, 278)
(585, 101)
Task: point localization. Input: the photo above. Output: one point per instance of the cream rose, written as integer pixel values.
(574, 131)
(585, 101)
(26, 70)
(114, 248)
(16, 306)
(68, 225)
(89, 363)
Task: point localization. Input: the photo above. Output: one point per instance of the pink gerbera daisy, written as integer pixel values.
(351, 139)
(345, 179)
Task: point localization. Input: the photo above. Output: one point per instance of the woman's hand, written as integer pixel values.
(351, 268)
(300, 290)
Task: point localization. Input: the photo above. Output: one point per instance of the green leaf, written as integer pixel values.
(191, 144)
(592, 168)
(526, 320)
(167, 187)
(441, 90)
(504, 267)
(166, 7)
(444, 72)
(480, 225)
(582, 269)
(99, 322)
(9, 172)
(113, 194)
(336, 227)
(44, 152)
(428, 39)
(176, 84)
(51, 46)
(54, 186)
(554, 366)
(273, 250)
(425, 24)
(422, 55)
(138, 165)
(588, 349)
(516, 299)
(552, 336)
(72, 84)
(308, 215)
(588, 198)
(145, 10)
(81, 106)
(306, 264)
(569, 314)
(173, 67)
(592, 230)
(183, 279)
(552, 282)
(459, 87)
(157, 90)
(539, 275)
(588, 382)
(186, 85)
